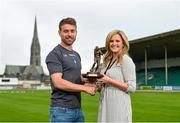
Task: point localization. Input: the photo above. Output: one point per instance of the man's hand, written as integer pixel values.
(90, 90)
(90, 84)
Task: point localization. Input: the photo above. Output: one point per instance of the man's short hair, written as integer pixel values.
(68, 20)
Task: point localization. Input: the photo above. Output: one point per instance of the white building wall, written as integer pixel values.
(9, 81)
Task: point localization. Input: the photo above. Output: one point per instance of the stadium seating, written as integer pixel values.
(174, 76)
(156, 77)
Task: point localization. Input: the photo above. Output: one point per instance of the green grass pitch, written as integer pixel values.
(33, 106)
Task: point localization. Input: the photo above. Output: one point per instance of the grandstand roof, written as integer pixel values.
(155, 46)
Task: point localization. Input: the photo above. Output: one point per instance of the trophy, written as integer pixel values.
(94, 73)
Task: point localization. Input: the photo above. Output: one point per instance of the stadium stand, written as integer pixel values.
(157, 59)
(155, 77)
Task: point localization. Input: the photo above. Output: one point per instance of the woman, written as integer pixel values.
(119, 79)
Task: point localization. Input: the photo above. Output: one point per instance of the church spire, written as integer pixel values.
(35, 29)
(35, 48)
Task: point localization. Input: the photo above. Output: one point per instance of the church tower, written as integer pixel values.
(35, 48)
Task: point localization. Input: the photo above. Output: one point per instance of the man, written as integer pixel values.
(64, 65)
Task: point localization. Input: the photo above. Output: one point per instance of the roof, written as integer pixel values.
(34, 70)
(29, 72)
(14, 69)
(155, 46)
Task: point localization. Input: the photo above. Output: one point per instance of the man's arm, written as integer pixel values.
(62, 84)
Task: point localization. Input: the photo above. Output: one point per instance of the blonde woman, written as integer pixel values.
(119, 79)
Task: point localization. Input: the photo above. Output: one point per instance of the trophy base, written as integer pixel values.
(91, 75)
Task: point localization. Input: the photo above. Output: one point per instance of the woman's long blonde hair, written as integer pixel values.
(108, 55)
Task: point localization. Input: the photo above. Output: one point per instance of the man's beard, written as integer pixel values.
(69, 43)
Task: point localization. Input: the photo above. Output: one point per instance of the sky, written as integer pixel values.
(95, 19)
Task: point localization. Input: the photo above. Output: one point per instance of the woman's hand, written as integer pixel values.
(105, 79)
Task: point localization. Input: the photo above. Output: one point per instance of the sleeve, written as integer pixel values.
(54, 63)
(129, 73)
